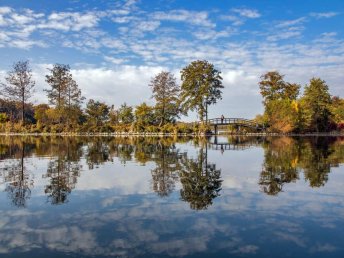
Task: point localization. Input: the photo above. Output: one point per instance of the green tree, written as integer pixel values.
(315, 104)
(58, 79)
(97, 112)
(3, 118)
(337, 110)
(201, 86)
(273, 87)
(41, 114)
(165, 92)
(279, 99)
(125, 114)
(19, 85)
(283, 115)
(73, 102)
(64, 93)
(144, 116)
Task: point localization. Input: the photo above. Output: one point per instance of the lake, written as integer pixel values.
(178, 197)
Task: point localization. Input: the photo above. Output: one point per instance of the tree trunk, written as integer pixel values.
(23, 107)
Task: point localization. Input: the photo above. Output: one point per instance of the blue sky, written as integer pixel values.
(115, 47)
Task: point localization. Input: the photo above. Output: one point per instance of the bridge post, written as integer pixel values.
(215, 129)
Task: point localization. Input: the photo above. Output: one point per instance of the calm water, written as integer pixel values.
(160, 197)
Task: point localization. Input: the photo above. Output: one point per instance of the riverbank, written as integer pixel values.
(127, 134)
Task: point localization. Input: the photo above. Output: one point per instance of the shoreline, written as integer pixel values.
(127, 134)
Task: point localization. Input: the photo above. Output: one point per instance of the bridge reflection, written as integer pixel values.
(235, 143)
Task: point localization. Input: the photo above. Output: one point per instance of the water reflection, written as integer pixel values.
(16, 177)
(201, 181)
(285, 160)
(158, 197)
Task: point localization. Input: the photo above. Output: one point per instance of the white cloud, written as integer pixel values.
(192, 17)
(114, 60)
(234, 19)
(26, 44)
(148, 25)
(248, 13)
(324, 15)
(70, 21)
(288, 23)
(5, 10)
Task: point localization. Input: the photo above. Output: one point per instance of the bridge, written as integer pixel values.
(237, 122)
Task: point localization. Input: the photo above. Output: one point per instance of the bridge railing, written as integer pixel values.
(234, 121)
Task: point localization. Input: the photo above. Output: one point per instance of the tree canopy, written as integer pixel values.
(19, 85)
(201, 86)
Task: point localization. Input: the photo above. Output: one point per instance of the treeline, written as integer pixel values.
(201, 86)
(287, 111)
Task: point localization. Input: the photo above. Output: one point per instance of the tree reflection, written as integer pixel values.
(98, 152)
(63, 173)
(165, 174)
(286, 157)
(280, 165)
(316, 161)
(18, 179)
(201, 181)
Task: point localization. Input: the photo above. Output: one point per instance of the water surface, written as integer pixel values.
(161, 197)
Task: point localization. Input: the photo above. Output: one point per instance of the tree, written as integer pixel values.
(273, 87)
(201, 86)
(64, 94)
(19, 85)
(97, 112)
(281, 107)
(59, 79)
(3, 118)
(337, 110)
(283, 115)
(165, 91)
(41, 113)
(316, 103)
(144, 115)
(125, 114)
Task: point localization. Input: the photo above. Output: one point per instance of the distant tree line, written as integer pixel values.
(201, 86)
(287, 111)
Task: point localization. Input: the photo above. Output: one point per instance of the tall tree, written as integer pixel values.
(125, 114)
(59, 79)
(201, 86)
(273, 87)
(64, 93)
(281, 108)
(97, 112)
(316, 103)
(165, 91)
(19, 85)
(144, 116)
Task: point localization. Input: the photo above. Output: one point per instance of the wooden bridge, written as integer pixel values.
(237, 122)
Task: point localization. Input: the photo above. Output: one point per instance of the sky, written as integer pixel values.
(114, 48)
